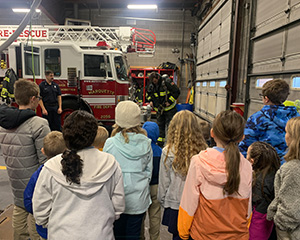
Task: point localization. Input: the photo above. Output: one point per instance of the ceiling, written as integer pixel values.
(56, 9)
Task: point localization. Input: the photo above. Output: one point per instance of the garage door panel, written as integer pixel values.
(203, 101)
(223, 66)
(267, 66)
(211, 105)
(295, 10)
(225, 33)
(268, 9)
(215, 22)
(268, 48)
(226, 11)
(254, 107)
(292, 62)
(221, 104)
(293, 40)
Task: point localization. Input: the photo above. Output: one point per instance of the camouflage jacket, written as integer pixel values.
(268, 125)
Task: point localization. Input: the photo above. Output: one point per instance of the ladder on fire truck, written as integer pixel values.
(127, 39)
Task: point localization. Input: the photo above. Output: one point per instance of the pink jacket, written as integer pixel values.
(205, 212)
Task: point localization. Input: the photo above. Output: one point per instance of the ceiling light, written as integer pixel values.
(24, 10)
(141, 6)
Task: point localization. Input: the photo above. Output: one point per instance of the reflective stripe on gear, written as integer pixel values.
(5, 93)
(170, 107)
(160, 139)
(172, 99)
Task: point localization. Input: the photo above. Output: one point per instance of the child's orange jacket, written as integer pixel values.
(205, 212)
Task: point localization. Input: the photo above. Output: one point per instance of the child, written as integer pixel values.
(267, 125)
(154, 209)
(132, 149)
(265, 162)
(21, 140)
(53, 144)
(184, 140)
(80, 193)
(101, 137)
(285, 207)
(205, 128)
(216, 200)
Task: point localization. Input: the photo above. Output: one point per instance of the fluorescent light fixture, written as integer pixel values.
(24, 10)
(142, 6)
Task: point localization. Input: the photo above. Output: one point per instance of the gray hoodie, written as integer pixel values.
(80, 211)
(285, 208)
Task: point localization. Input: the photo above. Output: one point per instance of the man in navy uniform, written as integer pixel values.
(51, 102)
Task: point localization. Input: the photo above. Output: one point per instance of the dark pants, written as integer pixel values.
(128, 226)
(53, 118)
(163, 121)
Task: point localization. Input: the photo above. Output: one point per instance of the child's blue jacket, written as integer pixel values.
(28, 194)
(268, 125)
(153, 133)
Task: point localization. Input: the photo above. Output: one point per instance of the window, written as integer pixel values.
(296, 82)
(95, 66)
(32, 60)
(261, 81)
(122, 69)
(197, 84)
(212, 84)
(52, 61)
(204, 84)
(223, 83)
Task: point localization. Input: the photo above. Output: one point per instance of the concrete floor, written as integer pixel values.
(6, 199)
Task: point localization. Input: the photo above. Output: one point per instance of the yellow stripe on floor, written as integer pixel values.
(2, 168)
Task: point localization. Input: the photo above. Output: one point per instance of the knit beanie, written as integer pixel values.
(128, 114)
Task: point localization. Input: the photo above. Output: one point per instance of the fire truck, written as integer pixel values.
(89, 63)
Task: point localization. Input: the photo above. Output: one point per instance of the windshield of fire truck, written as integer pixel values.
(121, 68)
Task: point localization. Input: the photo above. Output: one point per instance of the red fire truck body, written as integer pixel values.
(90, 77)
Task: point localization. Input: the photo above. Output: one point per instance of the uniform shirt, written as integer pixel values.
(49, 93)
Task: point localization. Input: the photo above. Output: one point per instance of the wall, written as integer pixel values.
(168, 33)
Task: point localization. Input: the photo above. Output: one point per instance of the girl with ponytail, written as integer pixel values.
(82, 182)
(216, 200)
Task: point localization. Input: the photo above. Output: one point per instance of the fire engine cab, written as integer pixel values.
(88, 62)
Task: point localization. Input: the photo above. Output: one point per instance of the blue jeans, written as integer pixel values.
(128, 226)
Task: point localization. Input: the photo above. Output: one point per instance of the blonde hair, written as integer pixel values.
(124, 131)
(185, 139)
(228, 127)
(293, 129)
(24, 90)
(54, 144)
(102, 135)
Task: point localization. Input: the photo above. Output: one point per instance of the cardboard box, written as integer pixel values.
(6, 230)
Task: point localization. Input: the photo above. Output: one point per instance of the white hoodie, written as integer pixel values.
(84, 211)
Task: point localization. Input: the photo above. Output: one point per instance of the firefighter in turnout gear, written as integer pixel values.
(162, 93)
(7, 92)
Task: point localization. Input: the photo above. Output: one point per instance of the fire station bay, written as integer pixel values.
(159, 119)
